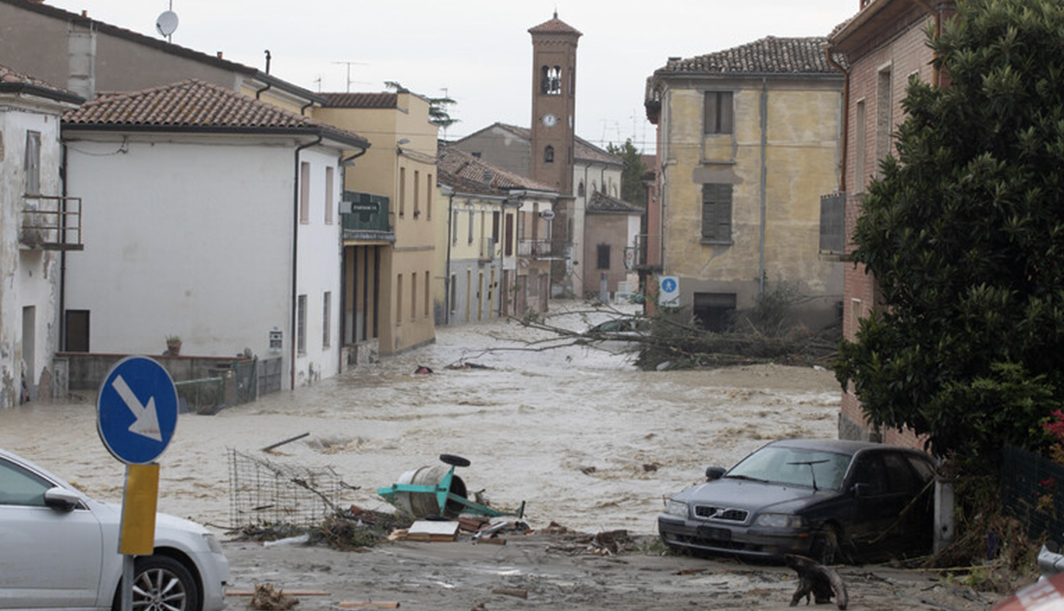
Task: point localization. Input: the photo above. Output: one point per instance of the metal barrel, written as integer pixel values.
(423, 504)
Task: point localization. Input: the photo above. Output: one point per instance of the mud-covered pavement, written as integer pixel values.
(582, 437)
(541, 572)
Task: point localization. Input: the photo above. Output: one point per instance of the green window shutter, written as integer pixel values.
(716, 211)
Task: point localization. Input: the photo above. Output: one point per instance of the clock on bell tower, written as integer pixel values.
(553, 103)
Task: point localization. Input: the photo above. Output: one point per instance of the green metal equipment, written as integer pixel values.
(430, 491)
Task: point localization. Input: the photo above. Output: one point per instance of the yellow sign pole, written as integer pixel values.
(138, 510)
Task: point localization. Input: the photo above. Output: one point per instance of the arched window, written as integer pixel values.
(550, 80)
(581, 190)
(548, 154)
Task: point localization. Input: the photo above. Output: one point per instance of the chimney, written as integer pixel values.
(81, 57)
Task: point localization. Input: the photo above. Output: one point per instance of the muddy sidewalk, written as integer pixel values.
(549, 571)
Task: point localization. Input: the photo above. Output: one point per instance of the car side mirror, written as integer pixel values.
(860, 490)
(61, 499)
(714, 473)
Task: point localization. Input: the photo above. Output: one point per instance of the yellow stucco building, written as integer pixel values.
(748, 141)
(392, 205)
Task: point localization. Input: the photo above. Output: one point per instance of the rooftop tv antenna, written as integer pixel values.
(349, 64)
(166, 23)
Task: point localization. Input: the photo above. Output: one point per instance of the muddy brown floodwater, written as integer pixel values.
(579, 434)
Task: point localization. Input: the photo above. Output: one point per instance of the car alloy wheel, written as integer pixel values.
(163, 584)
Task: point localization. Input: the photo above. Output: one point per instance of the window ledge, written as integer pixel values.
(710, 242)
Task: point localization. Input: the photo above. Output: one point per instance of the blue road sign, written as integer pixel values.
(136, 410)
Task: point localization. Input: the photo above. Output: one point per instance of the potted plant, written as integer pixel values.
(173, 345)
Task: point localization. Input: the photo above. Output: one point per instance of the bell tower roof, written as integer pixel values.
(554, 26)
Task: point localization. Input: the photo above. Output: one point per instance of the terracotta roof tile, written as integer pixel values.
(554, 26)
(600, 203)
(582, 149)
(197, 104)
(766, 56)
(468, 173)
(383, 99)
(12, 81)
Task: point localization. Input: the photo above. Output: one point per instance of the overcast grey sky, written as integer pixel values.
(478, 52)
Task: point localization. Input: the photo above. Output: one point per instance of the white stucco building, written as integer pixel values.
(214, 218)
(30, 245)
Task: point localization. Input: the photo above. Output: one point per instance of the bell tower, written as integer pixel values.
(553, 103)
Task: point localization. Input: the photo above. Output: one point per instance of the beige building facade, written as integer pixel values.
(393, 206)
(749, 139)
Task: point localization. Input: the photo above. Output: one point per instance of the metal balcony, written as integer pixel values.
(647, 252)
(366, 217)
(488, 248)
(51, 223)
(542, 249)
(833, 223)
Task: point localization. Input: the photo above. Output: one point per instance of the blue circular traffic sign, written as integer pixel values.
(136, 410)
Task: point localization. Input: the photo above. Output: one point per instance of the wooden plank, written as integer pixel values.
(282, 590)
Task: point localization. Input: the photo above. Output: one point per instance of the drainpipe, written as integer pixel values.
(764, 163)
(447, 265)
(937, 16)
(295, 256)
(259, 92)
(845, 114)
(343, 163)
(62, 252)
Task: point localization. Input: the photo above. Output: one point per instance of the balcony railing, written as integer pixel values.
(542, 249)
(647, 255)
(365, 215)
(833, 223)
(488, 247)
(51, 223)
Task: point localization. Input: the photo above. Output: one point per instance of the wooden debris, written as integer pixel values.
(817, 581)
(266, 598)
(290, 592)
(433, 531)
(516, 592)
(491, 540)
(367, 604)
(690, 571)
(281, 443)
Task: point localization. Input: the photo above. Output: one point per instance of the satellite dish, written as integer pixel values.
(166, 23)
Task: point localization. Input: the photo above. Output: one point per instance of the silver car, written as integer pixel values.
(59, 550)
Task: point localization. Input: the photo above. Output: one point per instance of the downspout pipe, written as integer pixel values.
(259, 92)
(845, 114)
(764, 169)
(62, 253)
(295, 257)
(447, 264)
(936, 76)
(343, 162)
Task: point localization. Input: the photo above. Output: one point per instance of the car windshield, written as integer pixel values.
(795, 466)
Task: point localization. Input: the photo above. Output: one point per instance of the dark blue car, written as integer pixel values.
(831, 500)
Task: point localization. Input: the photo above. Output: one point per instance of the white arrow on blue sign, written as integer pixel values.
(137, 410)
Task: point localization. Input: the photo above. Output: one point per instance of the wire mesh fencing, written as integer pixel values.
(268, 493)
(1032, 491)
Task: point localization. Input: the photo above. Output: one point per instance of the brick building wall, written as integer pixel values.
(883, 55)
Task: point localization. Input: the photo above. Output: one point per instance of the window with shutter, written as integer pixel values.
(716, 212)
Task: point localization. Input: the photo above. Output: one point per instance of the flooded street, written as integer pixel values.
(579, 434)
